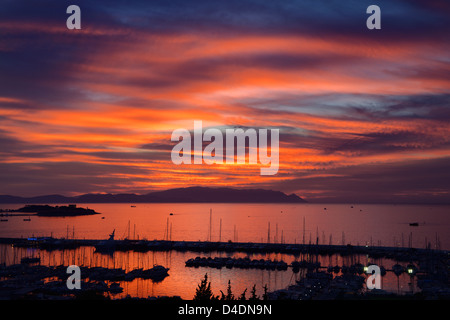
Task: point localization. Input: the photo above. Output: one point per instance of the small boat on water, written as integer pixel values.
(398, 269)
(414, 224)
(27, 219)
(115, 288)
(107, 246)
(3, 220)
(133, 206)
(157, 273)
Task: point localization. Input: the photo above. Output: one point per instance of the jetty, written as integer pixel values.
(110, 245)
(241, 263)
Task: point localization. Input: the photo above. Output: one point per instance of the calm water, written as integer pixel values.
(183, 281)
(387, 225)
(363, 224)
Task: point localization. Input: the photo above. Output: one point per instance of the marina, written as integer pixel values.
(298, 250)
(330, 270)
(108, 246)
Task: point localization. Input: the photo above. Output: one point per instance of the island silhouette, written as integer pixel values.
(178, 195)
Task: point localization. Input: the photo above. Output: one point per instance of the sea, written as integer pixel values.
(355, 224)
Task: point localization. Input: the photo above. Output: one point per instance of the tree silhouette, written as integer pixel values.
(230, 295)
(265, 296)
(242, 296)
(253, 294)
(203, 291)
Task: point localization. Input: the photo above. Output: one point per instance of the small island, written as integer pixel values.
(70, 210)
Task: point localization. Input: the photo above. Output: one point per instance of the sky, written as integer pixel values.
(363, 114)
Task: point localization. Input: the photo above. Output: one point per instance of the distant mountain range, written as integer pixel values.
(190, 195)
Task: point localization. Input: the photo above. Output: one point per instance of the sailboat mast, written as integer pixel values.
(303, 230)
(276, 233)
(220, 230)
(167, 230)
(210, 225)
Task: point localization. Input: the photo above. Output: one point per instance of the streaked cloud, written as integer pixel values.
(98, 105)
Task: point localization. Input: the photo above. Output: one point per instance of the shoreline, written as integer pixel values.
(49, 243)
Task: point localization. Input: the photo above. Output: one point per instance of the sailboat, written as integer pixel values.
(107, 246)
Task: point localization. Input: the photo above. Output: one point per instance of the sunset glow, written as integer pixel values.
(363, 116)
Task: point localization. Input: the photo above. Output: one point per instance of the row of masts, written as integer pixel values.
(276, 238)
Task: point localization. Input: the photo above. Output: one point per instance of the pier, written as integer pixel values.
(109, 246)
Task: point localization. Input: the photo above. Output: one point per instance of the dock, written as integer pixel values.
(108, 246)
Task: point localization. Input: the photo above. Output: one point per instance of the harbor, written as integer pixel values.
(310, 271)
(304, 252)
(111, 245)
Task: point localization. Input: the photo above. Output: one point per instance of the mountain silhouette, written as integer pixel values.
(179, 195)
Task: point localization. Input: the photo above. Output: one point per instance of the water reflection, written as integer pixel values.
(182, 281)
(382, 225)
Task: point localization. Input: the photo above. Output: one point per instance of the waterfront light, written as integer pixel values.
(411, 269)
